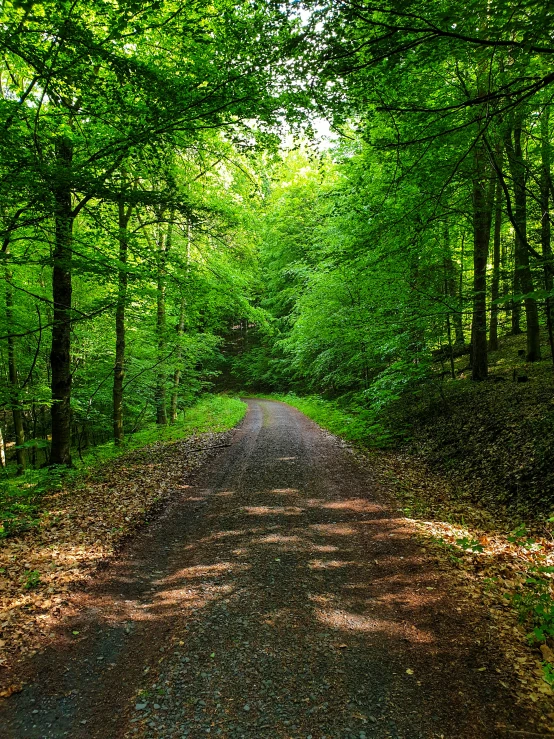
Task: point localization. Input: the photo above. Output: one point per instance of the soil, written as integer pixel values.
(279, 596)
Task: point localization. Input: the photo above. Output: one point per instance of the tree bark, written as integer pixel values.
(15, 401)
(60, 355)
(177, 373)
(517, 169)
(482, 215)
(516, 305)
(119, 369)
(495, 282)
(160, 394)
(2, 450)
(545, 220)
(453, 318)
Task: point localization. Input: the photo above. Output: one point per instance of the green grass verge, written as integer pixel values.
(20, 497)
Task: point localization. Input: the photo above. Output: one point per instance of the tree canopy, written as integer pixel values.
(169, 220)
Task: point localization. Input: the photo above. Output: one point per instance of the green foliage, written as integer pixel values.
(31, 579)
(472, 544)
(535, 604)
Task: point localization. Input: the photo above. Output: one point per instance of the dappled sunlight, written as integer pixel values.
(273, 510)
(187, 598)
(333, 529)
(356, 505)
(286, 541)
(347, 621)
(327, 586)
(314, 502)
(203, 572)
(330, 564)
(221, 535)
(324, 548)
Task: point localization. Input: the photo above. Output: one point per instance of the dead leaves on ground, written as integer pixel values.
(80, 527)
(489, 564)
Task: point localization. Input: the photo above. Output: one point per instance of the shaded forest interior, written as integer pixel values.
(330, 199)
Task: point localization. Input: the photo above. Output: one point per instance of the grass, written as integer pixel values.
(20, 497)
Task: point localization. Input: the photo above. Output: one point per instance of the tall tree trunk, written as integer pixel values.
(2, 450)
(451, 290)
(483, 185)
(495, 282)
(177, 372)
(180, 332)
(545, 220)
(454, 318)
(458, 325)
(60, 355)
(119, 369)
(15, 401)
(516, 290)
(164, 245)
(517, 169)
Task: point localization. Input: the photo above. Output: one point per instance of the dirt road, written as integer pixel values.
(276, 598)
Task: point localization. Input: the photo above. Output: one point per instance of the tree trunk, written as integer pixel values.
(15, 401)
(2, 450)
(545, 220)
(451, 291)
(119, 368)
(60, 356)
(177, 373)
(517, 168)
(516, 305)
(160, 394)
(482, 214)
(495, 282)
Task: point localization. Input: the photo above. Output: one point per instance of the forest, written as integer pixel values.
(342, 205)
(330, 199)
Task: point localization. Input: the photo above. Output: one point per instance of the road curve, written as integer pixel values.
(276, 598)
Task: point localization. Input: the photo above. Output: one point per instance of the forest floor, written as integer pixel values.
(280, 594)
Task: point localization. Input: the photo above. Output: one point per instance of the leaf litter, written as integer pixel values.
(80, 528)
(495, 562)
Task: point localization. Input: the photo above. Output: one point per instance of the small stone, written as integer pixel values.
(140, 706)
(36, 710)
(156, 706)
(83, 722)
(246, 707)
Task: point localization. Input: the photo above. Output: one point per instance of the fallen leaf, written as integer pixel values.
(10, 690)
(547, 653)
